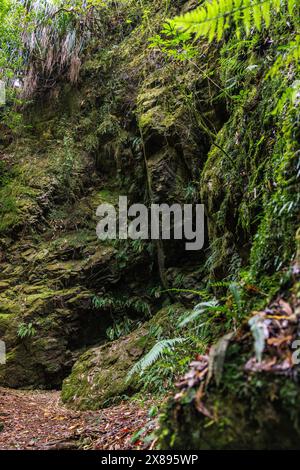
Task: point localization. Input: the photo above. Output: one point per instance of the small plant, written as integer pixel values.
(119, 304)
(26, 330)
(66, 161)
(174, 44)
(197, 327)
(121, 328)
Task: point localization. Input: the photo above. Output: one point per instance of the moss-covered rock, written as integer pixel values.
(53, 265)
(266, 417)
(100, 376)
(247, 402)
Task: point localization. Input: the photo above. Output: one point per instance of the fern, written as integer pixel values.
(213, 18)
(121, 303)
(26, 331)
(198, 310)
(200, 293)
(291, 55)
(237, 298)
(160, 349)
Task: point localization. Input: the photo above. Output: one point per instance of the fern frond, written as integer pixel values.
(159, 350)
(215, 16)
(257, 16)
(246, 18)
(266, 13)
(291, 6)
(184, 291)
(198, 310)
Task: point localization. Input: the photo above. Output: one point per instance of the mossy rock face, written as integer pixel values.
(142, 124)
(36, 179)
(41, 359)
(5, 322)
(64, 321)
(100, 376)
(41, 363)
(50, 276)
(241, 424)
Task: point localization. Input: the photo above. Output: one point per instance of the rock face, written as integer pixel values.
(53, 268)
(255, 422)
(257, 411)
(100, 375)
(77, 155)
(158, 130)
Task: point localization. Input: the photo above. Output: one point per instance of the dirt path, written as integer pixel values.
(38, 421)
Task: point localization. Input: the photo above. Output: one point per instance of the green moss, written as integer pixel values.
(6, 322)
(100, 375)
(247, 412)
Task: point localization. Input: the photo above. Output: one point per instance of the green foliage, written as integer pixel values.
(11, 14)
(212, 19)
(119, 304)
(26, 331)
(68, 161)
(211, 306)
(209, 319)
(200, 293)
(160, 349)
(121, 328)
(4, 174)
(198, 327)
(174, 44)
(42, 41)
(11, 61)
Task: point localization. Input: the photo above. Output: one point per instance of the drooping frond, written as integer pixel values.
(158, 351)
(213, 305)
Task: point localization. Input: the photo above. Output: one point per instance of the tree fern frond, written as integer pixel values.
(213, 18)
(291, 6)
(277, 5)
(246, 18)
(289, 56)
(220, 28)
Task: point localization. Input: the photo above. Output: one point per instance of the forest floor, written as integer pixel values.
(37, 420)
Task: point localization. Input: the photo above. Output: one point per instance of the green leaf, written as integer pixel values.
(259, 334)
(217, 357)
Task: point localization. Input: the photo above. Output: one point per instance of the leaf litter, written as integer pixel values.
(37, 420)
